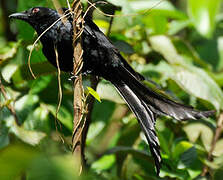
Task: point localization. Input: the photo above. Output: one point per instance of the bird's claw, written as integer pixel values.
(73, 77)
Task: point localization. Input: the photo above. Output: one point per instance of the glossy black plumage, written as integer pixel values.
(101, 58)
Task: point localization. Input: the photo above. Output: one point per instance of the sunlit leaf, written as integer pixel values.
(203, 15)
(192, 79)
(198, 83)
(8, 71)
(218, 150)
(94, 130)
(176, 26)
(164, 46)
(196, 130)
(105, 162)
(30, 137)
(181, 147)
(25, 105)
(8, 51)
(107, 91)
(38, 119)
(94, 93)
(220, 51)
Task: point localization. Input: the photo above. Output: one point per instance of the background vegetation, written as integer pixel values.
(178, 44)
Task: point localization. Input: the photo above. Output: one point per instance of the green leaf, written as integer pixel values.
(99, 109)
(108, 92)
(165, 137)
(23, 73)
(181, 147)
(104, 163)
(8, 71)
(218, 150)
(198, 83)
(192, 79)
(94, 93)
(25, 105)
(189, 156)
(4, 137)
(174, 174)
(38, 119)
(30, 137)
(128, 150)
(64, 116)
(139, 5)
(178, 25)
(203, 15)
(8, 51)
(15, 159)
(40, 84)
(164, 46)
(196, 130)
(190, 160)
(220, 51)
(94, 130)
(158, 23)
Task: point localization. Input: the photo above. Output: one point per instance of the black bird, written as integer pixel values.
(102, 58)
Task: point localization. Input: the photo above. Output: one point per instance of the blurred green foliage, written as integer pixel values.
(178, 44)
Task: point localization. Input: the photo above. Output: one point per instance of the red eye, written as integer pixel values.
(35, 10)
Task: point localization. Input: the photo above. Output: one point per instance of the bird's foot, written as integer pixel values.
(73, 77)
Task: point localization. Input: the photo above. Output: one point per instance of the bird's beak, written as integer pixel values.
(20, 15)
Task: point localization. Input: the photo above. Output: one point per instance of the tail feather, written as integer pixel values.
(146, 120)
(161, 104)
(146, 104)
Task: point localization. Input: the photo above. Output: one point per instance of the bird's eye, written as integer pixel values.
(35, 10)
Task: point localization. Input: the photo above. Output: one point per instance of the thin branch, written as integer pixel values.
(214, 141)
(78, 25)
(110, 26)
(90, 104)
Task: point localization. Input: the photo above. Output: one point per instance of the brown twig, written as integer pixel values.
(78, 24)
(11, 108)
(214, 141)
(90, 104)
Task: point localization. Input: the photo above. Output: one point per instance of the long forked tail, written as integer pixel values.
(146, 104)
(146, 120)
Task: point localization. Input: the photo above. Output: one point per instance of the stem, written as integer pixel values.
(90, 102)
(214, 141)
(78, 88)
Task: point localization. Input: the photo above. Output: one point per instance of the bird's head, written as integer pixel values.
(37, 16)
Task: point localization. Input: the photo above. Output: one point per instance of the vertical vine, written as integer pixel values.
(78, 24)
